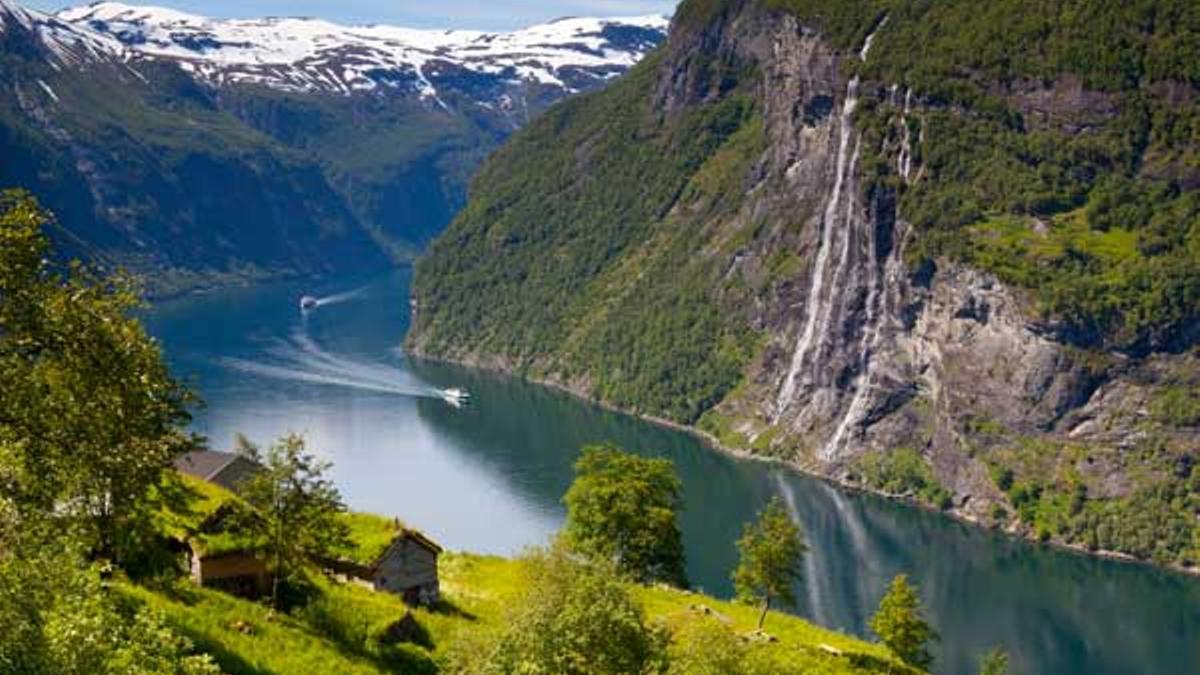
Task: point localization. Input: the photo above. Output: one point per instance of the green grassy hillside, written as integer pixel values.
(343, 630)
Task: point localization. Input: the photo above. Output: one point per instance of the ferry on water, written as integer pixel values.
(455, 396)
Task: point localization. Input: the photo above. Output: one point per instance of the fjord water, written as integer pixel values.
(489, 478)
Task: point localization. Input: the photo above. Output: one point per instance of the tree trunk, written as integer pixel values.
(763, 617)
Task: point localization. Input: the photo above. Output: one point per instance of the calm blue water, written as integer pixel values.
(489, 478)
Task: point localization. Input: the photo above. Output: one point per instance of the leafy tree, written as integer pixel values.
(772, 550)
(297, 507)
(994, 662)
(574, 617)
(623, 508)
(91, 416)
(57, 618)
(901, 624)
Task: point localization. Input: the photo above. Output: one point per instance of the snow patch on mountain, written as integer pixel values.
(67, 44)
(313, 55)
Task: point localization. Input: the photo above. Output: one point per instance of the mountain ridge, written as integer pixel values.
(193, 182)
(306, 54)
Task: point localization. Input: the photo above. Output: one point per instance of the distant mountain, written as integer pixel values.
(197, 149)
(497, 71)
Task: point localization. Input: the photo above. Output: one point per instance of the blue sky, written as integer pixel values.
(483, 14)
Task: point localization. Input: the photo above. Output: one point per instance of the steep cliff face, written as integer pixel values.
(817, 266)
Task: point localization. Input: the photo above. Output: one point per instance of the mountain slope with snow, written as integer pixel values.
(197, 150)
(312, 55)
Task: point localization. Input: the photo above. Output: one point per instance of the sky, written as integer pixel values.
(480, 14)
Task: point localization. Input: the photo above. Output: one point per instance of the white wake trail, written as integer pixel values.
(339, 298)
(301, 359)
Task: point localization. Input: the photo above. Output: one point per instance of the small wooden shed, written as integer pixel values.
(241, 573)
(409, 567)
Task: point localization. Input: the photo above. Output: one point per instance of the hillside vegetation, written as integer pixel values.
(345, 630)
(102, 541)
(643, 245)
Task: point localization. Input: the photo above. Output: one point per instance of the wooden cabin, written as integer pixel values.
(408, 567)
(241, 573)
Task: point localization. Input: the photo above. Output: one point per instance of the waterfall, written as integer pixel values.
(904, 157)
(817, 304)
(825, 292)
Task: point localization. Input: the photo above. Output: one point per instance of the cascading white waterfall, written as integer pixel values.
(820, 269)
(904, 157)
(823, 295)
(876, 311)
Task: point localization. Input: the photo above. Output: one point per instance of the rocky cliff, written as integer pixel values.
(901, 275)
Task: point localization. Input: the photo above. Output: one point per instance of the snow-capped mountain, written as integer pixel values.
(64, 42)
(312, 55)
(195, 149)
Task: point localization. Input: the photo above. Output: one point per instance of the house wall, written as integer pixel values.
(240, 573)
(408, 569)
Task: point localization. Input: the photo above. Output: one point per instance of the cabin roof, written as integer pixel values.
(412, 535)
(420, 538)
(204, 464)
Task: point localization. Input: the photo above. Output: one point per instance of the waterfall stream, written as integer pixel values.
(847, 269)
(819, 303)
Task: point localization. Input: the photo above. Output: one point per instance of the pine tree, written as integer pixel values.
(901, 624)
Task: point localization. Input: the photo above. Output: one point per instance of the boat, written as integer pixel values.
(455, 396)
(308, 302)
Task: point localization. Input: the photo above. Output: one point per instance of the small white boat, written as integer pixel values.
(455, 396)
(308, 302)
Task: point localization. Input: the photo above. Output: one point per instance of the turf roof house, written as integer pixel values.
(407, 566)
(401, 561)
(226, 469)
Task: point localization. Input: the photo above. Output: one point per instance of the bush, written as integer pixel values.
(903, 472)
(623, 509)
(574, 617)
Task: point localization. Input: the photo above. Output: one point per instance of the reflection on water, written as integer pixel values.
(489, 477)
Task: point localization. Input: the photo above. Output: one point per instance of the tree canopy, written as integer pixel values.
(89, 421)
(624, 508)
(296, 504)
(90, 415)
(772, 552)
(900, 623)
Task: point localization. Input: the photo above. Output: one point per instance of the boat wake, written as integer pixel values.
(300, 359)
(309, 303)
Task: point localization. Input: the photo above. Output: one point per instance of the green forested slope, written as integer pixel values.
(570, 257)
(1054, 145)
(568, 246)
(1112, 157)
